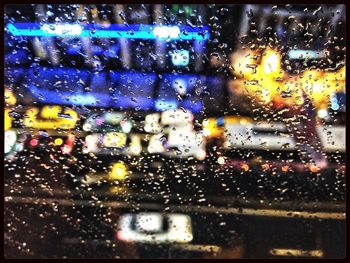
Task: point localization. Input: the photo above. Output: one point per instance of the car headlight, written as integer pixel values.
(10, 140)
(119, 171)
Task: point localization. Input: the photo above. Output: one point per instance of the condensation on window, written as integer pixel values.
(174, 131)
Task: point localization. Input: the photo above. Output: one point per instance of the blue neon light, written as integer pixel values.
(81, 99)
(112, 31)
(195, 107)
(74, 50)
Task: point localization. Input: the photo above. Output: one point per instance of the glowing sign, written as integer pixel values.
(111, 31)
(249, 136)
(332, 138)
(178, 231)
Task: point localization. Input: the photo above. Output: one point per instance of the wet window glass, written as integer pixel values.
(174, 131)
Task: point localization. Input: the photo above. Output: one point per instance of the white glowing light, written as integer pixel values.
(180, 86)
(63, 29)
(179, 229)
(221, 160)
(271, 63)
(10, 140)
(166, 32)
(126, 126)
(87, 126)
(180, 57)
(206, 132)
(322, 113)
(201, 155)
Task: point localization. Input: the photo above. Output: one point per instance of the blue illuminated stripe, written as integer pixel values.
(113, 31)
(49, 96)
(124, 102)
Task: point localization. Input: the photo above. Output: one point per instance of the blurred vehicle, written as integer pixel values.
(119, 145)
(247, 140)
(50, 129)
(155, 228)
(263, 159)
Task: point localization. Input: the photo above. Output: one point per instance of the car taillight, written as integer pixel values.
(66, 149)
(68, 146)
(34, 142)
(119, 235)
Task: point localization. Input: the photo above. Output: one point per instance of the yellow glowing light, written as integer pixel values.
(10, 98)
(118, 189)
(135, 146)
(235, 119)
(58, 141)
(244, 121)
(210, 128)
(115, 139)
(317, 86)
(8, 119)
(271, 63)
(244, 63)
(292, 92)
(264, 79)
(118, 172)
(335, 81)
(52, 118)
(48, 112)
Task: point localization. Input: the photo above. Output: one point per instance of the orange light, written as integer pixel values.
(245, 167)
(265, 166)
(313, 168)
(285, 168)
